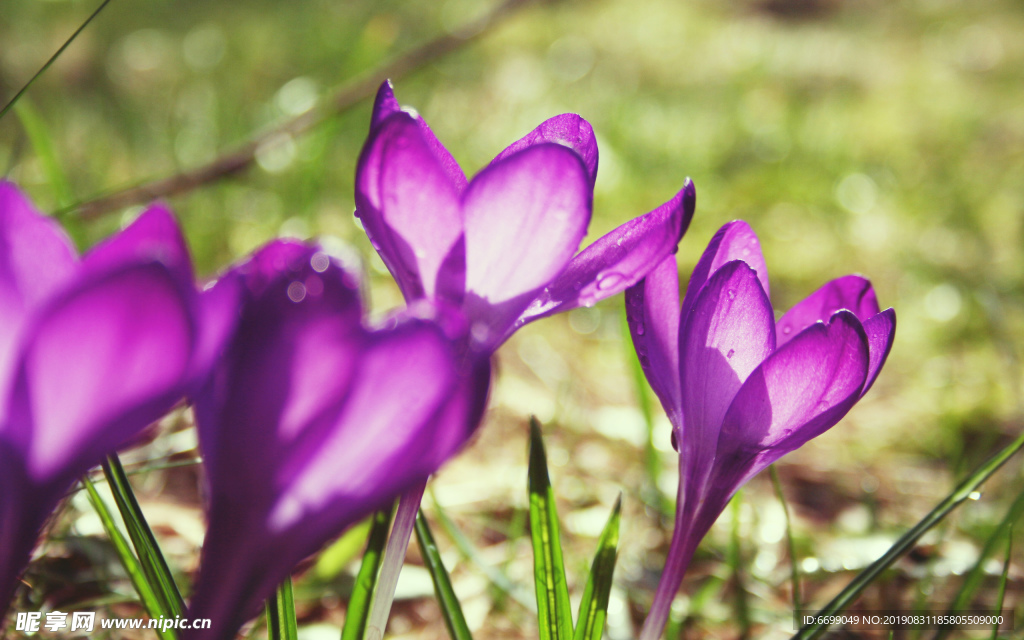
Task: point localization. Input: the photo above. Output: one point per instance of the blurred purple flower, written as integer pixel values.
(740, 389)
(503, 245)
(91, 351)
(311, 422)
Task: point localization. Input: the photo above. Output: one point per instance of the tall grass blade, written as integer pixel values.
(594, 605)
(451, 610)
(152, 559)
(281, 623)
(907, 541)
(362, 592)
(128, 560)
(42, 144)
(1002, 582)
(794, 569)
(497, 577)
(554, 613)
(52, 59)
(976, 575)
(735, 557)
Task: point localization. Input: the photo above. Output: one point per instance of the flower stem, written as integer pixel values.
(394, 557)
(680, 552)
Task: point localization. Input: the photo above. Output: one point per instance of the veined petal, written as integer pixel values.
(652, 311)
(734, 241)
(569, 130)
(36, 258)
(618, 259)
(799, 392)
(103, 361)
(409, 206)
(152, 237)
(525, 217)
(851, 292)
(728, 333)
(385, 105)
(881, 330)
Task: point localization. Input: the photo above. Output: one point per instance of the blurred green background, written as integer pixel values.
(885, 138)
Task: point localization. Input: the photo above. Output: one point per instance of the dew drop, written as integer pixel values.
(675, 441)
(731, 293)
(787, 330)
(606, 281)
(639, 329)
(296, 292)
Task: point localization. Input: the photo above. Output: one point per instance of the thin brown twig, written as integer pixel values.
(349, 95)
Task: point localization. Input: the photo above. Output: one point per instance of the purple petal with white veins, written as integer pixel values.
(410, 208)
(799, 392)
(849, 292)
(652, 311)
(569, 130)
(729, 331)
(618, 259)
(385, 105)
(881, 330)
(734, 241)
(525, 217)
(103, 361)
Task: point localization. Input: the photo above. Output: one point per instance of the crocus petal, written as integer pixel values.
(730, 330)
(618, 259)
(152, 237)
(569, 130)
(799, 392)
(525, 217)
(385, 104)
(409, 207)
(734, 241)
(102, 361)
(881, 330)
(652, 310)
(217, 311)
(36, 258)
(312, 422)
(851, 292)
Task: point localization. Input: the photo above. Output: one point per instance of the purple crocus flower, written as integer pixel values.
(503, 245)
(741, 389)
(91, 351)
(311, 422)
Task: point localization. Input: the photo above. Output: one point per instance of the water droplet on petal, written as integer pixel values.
(480, 332)
(675, 441)
(786, 330)
(639, 329)
(731, 353)
(731, 293)
(296, 292)
(606, 281)
(320, 261)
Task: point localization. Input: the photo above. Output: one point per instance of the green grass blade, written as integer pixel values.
(366, 580)
(150, 556)
(554, 613)
(52, 59)
(451, 610)
(594, 606)
(1002, 581)
(907, 541)
(497, 577)
(794, 569)
(976, 575)
(735, 557)
(42, 143)
(128, 560)
(281, 623)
